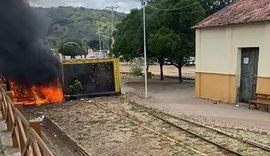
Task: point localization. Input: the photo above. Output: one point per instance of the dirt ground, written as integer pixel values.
(98, 126)
(169, 70)
(102, 132)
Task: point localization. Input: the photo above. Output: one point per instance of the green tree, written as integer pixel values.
(161, 44)
(128, 36)
(165, 19)
(212, 6)
(66, 23)
(94, 44)
(180, 22)
(71, 49)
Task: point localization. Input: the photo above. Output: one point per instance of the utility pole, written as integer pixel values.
(99, 42)
(145, 56)
(112, 8)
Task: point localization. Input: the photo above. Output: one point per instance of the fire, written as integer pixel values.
(31, 95)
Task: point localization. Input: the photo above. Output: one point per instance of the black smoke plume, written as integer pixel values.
(22, 58)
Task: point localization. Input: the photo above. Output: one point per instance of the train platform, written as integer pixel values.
(178, 99)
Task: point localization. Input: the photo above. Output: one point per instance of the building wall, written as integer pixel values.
(218, 59)
(210, 87)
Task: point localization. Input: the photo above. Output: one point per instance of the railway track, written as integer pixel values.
(201, 130)
(226, 143)
(152, 130)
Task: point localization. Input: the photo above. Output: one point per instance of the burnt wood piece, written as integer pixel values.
(261, 99)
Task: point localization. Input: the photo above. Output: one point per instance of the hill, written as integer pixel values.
(68, 23)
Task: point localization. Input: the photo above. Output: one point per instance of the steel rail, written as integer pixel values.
(246, 141)
(151, 130)
(225, 149)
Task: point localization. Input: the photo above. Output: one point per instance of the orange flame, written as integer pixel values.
(31, 95)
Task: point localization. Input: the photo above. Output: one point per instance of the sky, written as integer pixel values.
(124, 5)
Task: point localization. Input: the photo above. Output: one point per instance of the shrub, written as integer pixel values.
(136, 67)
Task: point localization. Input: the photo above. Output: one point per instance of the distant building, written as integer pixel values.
(90, 55)
(54, 49)
(96, 55)
(233, 52)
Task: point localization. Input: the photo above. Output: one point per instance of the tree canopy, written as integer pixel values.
(168, 31)
(161, 43)
(71, 49)
(69, 23)
(94, 44)
(212, 6)
(181, 21)
(129, 37)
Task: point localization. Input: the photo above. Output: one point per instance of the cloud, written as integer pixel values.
(124, 5)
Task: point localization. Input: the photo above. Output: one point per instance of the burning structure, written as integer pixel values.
(32, 73)
(37, 94)
(30, 70)
(91, 77)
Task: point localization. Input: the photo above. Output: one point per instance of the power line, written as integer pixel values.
(193, 12)
(184, 13)
(112, 8)
(174, 9)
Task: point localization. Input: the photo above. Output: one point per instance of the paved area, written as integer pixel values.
(6, 142)
(179, 99)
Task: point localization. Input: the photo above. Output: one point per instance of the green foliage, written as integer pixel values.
(94, 44)
(81, 24)
(71, 49)
(128, 36)
(169, 33)
(162, 42)
(212, 6)
(75, 88)
(136, 67)
(181, 21)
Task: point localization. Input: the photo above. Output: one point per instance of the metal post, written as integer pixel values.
(99, 44)
(145, 56)
(112, 8)
(112, 22)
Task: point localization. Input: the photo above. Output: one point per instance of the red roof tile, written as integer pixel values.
(241, 11)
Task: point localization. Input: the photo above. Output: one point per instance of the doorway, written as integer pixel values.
(249, 72)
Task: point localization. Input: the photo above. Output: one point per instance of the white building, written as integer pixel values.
(233, 52)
